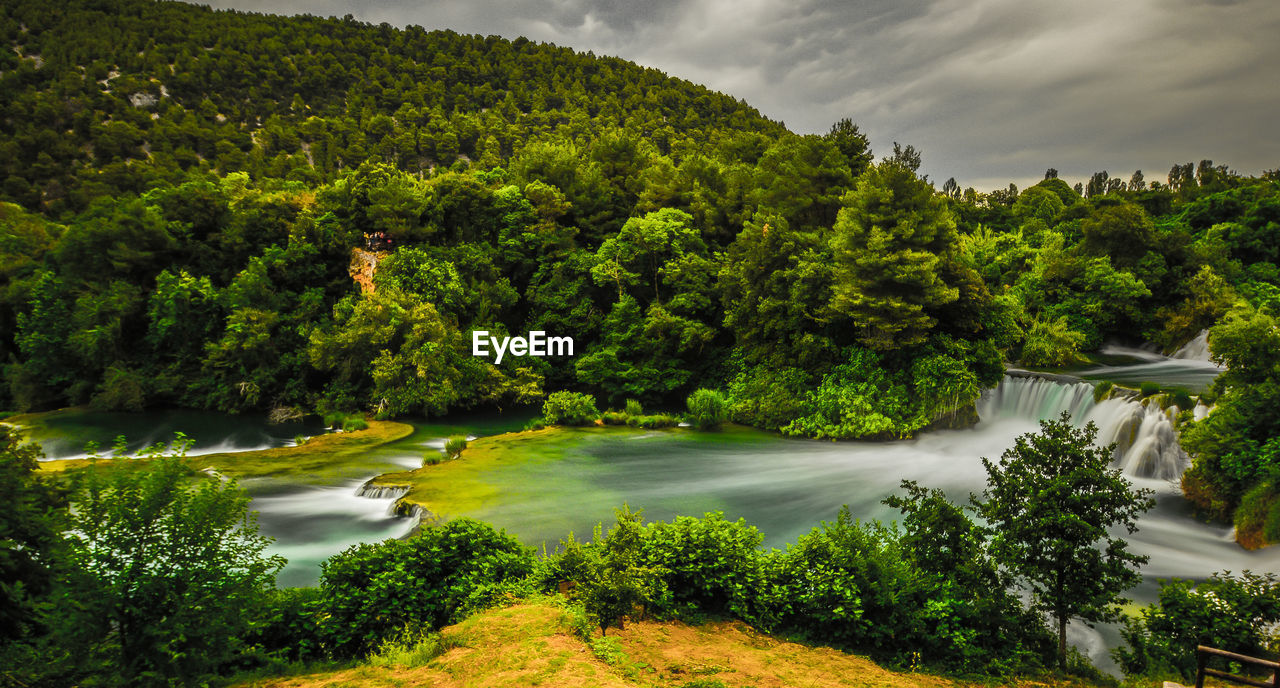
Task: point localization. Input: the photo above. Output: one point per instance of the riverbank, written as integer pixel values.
(325, 457)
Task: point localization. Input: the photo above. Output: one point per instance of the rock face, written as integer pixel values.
(363, 265)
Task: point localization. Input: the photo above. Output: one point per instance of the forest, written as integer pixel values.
(182, 209)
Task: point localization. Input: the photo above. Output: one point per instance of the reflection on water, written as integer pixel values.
(64, 435)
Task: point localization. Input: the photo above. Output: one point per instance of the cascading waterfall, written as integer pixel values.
(1144, 433)
(372, 491)
(1195, 350)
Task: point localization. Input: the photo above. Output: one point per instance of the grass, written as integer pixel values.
(536, 642)
(322, 457)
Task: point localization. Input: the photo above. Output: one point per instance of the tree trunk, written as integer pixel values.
(1062, 642)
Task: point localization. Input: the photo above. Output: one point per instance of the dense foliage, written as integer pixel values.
(1233, 613)
(185, 211)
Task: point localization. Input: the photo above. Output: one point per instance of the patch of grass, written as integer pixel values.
(412, 648)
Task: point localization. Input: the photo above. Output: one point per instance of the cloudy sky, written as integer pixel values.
(991, 91)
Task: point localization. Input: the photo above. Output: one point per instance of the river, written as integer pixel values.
(784, 486)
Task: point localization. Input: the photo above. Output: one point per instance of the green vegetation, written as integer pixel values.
(1232, 613)
(941, 587)
(454, 445)
(1051, 501)
(1235, 473)
(570, 408)
(180, 218)
(708, 408)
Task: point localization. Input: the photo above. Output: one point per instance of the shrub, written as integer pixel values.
(1149, 388)
(287, 627)
(1181, 399)
(372, 591)
(655, 421)
(353, 423)
(713, 565)
(570, 408)
(411, 648)
(708, 408)
(849, 584)
(613, 418)
(454, 445)
(1227, 612)
(1101, 391)
(1052, 343)
(633, 408)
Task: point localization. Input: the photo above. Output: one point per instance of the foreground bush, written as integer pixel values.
(1233, 613)
(712, 565)
(372, 591)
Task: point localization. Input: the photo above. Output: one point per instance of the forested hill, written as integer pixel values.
(183, 190)
(93, 86)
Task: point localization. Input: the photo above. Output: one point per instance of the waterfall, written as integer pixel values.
(1143, 432)
(372, 491)
(1195, 350)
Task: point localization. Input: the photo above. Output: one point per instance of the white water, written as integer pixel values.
(312, 524)
(1146, 441)
(1195, 350)
(1189, 367)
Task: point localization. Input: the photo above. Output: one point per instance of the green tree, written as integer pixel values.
(29, 536)
(164, 571)
(1050, 503)
(893, 238)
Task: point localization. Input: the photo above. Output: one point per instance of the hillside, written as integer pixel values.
(106, 97)
(534, 644)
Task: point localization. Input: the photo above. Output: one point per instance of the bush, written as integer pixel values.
(707, 409)
(1149, 388)
(633, 408)
(614, 418)
(655, 421)
(849, 584)
(712, 565)
(288, 627)
(372, 591)
(1181, 399)
(1052, 343)
(454, 445)
(1101, 391)
(570, 408)
(353, 423)
(1227, 612)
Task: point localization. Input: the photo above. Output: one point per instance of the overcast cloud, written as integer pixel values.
(991, 91)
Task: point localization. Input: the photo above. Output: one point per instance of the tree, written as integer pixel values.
(893, 239)
(163, 570)
(28, 535)
(1050, 502)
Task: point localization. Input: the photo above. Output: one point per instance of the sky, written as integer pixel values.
(991, 91)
